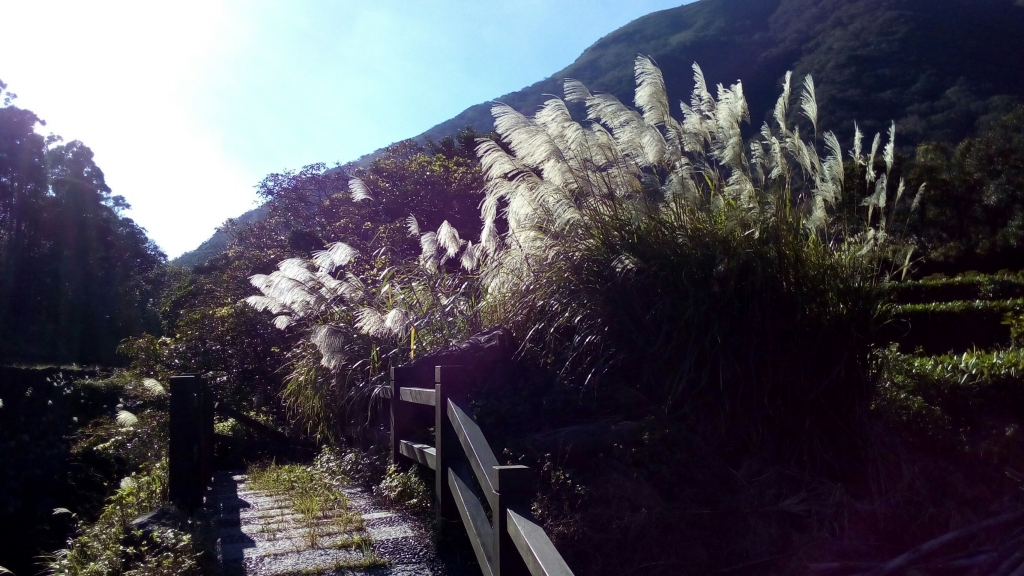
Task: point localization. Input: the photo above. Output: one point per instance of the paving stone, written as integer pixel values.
(260, 534)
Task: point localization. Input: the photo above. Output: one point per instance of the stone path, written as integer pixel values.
(260, 534)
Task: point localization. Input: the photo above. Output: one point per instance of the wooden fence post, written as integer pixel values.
(206, 436)
(449, 383)
(187, 450)
(514, 485)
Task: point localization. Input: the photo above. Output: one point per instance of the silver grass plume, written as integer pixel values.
(470, 256)
(858, 138)
(335, 256)
(758, 159)
(371, 322)
(917, 199)
(154, 386)
(448, 238)
(359, 190)
(809, 103)
(881, 194)
(413, 226)
(890, 148)
(782, 104)
(834, 162)
(396, 322)
(899, 193)
(428, 244)
(126, 419)
(870, 174)
(263, 303)
(651, 97)
(330, 342)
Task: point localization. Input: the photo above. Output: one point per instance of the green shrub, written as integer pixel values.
(1001, 286)
(941, 327)
(406, 489)
(965, 409)
(100, 548)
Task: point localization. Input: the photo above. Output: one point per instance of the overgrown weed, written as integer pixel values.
(110, 546)
(321, 505)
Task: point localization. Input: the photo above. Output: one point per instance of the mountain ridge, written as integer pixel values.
(936, 68)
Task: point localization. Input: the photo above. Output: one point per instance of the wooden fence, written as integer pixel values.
(510, 543)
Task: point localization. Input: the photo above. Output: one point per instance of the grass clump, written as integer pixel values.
(405, 489)
(323, 508)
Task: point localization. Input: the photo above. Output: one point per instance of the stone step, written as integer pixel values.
(260, 534)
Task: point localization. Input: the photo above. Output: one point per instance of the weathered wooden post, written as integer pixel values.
(206, 437)
(186, 462)
(514, 485)
(449, 383)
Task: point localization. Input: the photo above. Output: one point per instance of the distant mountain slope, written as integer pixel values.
(217, 243)
(934, 66)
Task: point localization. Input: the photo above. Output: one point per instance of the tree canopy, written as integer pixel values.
(76, 275)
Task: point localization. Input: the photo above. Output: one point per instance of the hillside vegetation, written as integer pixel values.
(76, 275)
(703, 305)
(753, 326)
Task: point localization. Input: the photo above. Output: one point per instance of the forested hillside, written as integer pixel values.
(935, 67)
(76, 275)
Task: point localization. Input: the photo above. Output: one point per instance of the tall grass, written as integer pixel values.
(671, 255)
(711, 273)
(360, 315)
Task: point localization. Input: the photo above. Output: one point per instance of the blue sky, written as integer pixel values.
(188, 105)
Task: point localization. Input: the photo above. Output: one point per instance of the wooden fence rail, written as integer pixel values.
(510, 543)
